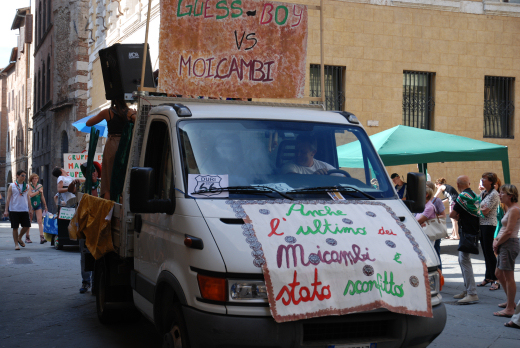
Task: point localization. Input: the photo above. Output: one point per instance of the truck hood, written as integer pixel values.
(227, 231)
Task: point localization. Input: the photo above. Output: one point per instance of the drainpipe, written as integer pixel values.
(27, 96)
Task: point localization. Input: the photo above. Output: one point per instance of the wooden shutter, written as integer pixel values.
(29, 28)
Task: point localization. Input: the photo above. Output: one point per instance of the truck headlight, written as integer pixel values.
(435, 282)
(248, 290)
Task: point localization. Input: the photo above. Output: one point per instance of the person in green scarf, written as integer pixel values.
(467, 212)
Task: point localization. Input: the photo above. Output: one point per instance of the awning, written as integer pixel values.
(408, 145)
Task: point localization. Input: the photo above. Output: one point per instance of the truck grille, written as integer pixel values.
(353, 331)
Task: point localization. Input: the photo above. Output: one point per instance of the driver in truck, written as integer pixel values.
(304, 161)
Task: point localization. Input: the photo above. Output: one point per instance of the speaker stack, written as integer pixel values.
(121, 65)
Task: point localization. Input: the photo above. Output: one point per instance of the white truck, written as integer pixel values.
(181, 260)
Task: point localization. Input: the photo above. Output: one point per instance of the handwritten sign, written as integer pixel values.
(72, 162)
(66, 213)
(233, 48)
(333, 258)
(208, 186)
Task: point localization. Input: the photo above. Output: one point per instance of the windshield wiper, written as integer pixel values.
(347, 189)
(257, 189)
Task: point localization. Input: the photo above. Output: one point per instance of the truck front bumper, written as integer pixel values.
(385, 328)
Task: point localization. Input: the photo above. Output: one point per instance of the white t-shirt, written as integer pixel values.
(66, 182)
(19, 201)
(292, 167)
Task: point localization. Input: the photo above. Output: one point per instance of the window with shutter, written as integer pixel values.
(28, 28)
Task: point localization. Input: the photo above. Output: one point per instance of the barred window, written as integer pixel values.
(418, 102)
(499, 106)
(334, 82)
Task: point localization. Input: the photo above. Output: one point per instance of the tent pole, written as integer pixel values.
(322, 58)
(505, 168)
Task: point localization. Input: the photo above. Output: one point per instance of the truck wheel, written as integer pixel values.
(104, 314)
(177, 337)
(57, 244)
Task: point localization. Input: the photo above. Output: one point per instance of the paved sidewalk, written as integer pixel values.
(473, 325)
(40, 303)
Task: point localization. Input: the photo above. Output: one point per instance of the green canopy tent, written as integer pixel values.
(407, 145)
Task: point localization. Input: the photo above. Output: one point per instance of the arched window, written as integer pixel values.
(40, 24)
(35, 84)
(49, 96)
(64, 145)
(38, 21)
(44, 99)
(44, 17)
(49, 12)
(38, 100)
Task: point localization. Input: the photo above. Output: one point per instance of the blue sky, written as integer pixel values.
(8, 36)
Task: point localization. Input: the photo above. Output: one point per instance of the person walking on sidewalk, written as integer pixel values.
(489, 202)
(466, 212)
(17, 207)
(507, 248)
(38, 204)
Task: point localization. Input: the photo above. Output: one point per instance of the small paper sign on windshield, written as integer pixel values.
(323, 258)
(208, 186)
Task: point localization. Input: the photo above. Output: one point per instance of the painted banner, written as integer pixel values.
(72, 162)
(233, 48)
(324, 258)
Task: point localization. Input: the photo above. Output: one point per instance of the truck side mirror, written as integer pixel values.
(416, 190)
(142, 188)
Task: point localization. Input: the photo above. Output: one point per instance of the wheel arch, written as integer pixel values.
(167, 291)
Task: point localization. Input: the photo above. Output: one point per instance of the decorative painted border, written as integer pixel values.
(259, 259)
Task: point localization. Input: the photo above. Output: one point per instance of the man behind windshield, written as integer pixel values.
(304, 161)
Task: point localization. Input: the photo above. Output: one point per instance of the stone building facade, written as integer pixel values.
(113, 22)
(60, 88)
(466, 50)
(378, 53)
(16, 91)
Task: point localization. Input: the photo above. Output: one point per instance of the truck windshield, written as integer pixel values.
(300, 160)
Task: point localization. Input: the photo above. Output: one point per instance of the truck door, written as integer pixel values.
(151, 244)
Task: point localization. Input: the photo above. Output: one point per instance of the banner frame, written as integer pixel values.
(322, 64)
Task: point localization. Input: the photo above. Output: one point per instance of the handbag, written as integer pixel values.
(436, 228)
(468, 243)
(50, 224)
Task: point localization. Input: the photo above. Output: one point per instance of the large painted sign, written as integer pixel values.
(233, 48)
(73, 161)
(330, 258)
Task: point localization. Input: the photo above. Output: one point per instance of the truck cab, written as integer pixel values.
(181, 256)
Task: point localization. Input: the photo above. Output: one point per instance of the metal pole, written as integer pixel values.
(145, 53)
(322, 75)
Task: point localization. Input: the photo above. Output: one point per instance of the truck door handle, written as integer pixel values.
(138, 223)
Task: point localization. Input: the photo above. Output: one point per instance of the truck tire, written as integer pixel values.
(105, 315)
(177, 337)
(57, 244)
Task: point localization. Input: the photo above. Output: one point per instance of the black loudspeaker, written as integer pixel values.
(121, 65)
